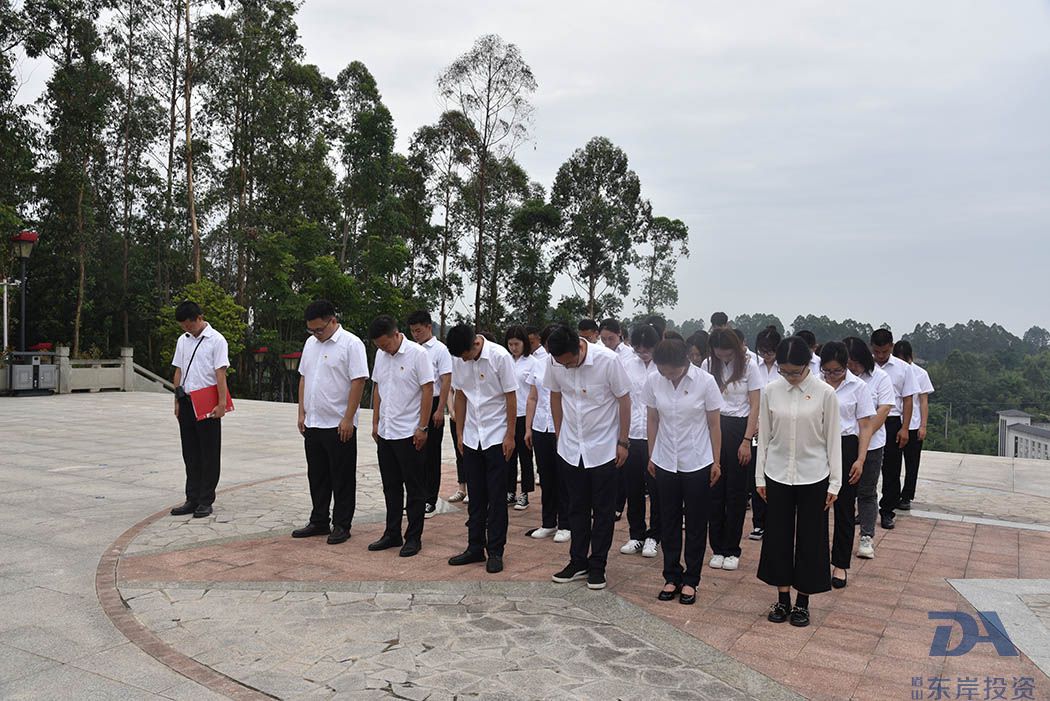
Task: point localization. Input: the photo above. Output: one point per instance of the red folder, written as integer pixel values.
(206, 399)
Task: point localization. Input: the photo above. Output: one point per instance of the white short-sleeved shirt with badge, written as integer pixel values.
(735, 397)
(590, 422)
(881, 395)
(855, 403)
(924, 386)
(903, 379)
(542, 421)
(524, 366)
(212, 353)
(328, 369)
(683, 439)
(638, 371)
(399, 377)
(441, 359)
(485, 382)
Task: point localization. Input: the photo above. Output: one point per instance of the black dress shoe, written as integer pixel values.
(799, 617)
(184, 508)
(339, 535)
(311, 529)
(839, 583)
(202, 511)
(778, 613)
(688, 599)
(888, 522)
(905, 505)
(466, 558)
(494, 565)
(410, 548)
(665, 595)
(385, 542)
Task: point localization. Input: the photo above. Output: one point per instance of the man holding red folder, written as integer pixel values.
(201, 359)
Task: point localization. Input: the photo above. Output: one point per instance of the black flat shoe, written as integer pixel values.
(839, 583)
(202, 511)
(385, 542)
(410, 548)
(466, 558)
(799, 617)
(184, 508)
(888, 522)
(778, 613)
(339, 535)
(665, 595)
(310, 530)
(494, 565)
(688, 599)
(905, 505)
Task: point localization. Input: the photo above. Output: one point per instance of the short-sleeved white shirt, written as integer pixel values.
(400, 376)
(766, 373)
(855, 403)
(881, 395)
(542, 420)
(735, 401)
(903, 380)
(590, 412)
(637, 372)
(925, 386)
(328, 369)
(683, 439)
(523, 368)
(485, 383)
(212, 354)
(441, 359)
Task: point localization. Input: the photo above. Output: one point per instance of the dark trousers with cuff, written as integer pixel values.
(401, 468)
(432, 457)
(523, 455)
(795, 547)
(592, 513)
(729, 493)
(487, 510)
(688, 494)
(555, 491)
(461, 475)
(758, 504)
(637, 478)
(912, 455)
(201, 448)
(331, 468)
(892, 457)
(845, 508)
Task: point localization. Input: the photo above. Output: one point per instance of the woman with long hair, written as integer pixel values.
(516, 341)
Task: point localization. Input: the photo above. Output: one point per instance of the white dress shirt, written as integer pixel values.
(625, 352)
(542, 421)
(881, 395)
(903, 379)
(213, 353)
(328, 369)
(855, 403)
(924, 386)
(441, 359)
(637, 372)
(683, 439)
(523, 368)
(799, 440)
(590, 421)
(735, 401)
(767, 374)
(484, 382)
(399, 377)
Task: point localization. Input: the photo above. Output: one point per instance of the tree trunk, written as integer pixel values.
(444, 257)
(82, 262)
(187, 92)
(127, 174)
(163, 244)
(481, 245)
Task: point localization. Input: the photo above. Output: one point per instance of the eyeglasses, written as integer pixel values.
(792, 373)
(318, 332)
(833, 373)
(767, 353)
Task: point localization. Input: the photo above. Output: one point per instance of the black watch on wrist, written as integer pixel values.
(423, 429)
(623, 444)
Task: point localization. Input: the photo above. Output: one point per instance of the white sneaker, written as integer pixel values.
(544, 532)
(649, 549)
(456, 497)
(730, 563)
(562, 536)
(866, 549)
(716, 562)
(631, 547)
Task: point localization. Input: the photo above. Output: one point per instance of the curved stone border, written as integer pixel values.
(124, 620)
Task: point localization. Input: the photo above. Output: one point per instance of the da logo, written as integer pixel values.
(995, 633)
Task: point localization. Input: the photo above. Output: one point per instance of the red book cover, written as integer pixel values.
(206, 399)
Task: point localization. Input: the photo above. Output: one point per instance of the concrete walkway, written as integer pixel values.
(233, 603)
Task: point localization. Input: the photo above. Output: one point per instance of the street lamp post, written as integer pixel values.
(23, 243)
(291, 366)
(259, 354)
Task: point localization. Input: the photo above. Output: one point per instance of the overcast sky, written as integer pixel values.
(884, 161)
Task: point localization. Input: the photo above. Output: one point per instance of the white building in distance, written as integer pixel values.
(1020, 438)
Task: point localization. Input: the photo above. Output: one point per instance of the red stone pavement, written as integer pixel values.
(867, 641)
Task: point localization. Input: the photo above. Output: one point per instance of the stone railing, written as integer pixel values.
(98, 375)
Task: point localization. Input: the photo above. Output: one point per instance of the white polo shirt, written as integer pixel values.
(484, 382)
(590, 422)
(735, 400)
(683, 439)
(399, 377)
(799, 439)
(903, 380)
(523, 368)
(881, 395)
(328, 368)
(441, 359)
(542, 420)
(212, 353)
(855, 403)
(924, 386)
(637, 372)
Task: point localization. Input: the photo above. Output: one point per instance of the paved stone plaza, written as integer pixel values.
(103, 595)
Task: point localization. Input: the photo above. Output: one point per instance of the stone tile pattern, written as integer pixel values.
(1039, 604)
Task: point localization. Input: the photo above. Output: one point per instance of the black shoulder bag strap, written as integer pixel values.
(182, 380)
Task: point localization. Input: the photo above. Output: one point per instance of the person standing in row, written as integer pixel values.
(698, 347)
(683, 406)
(738, 381)
(811, 340)
(635, 471)
(904, 388)
(486, 415)
(516, 340)
(402, 397)
(461, 477)
(798, 473)
(422, 329)
(539, 435)
(862, 364)
(917, 428)
(591, 404)
(766, 363)
(611, 335)
(201, 359)
(332, 373)
(856, 412)
(719, 320)
(588, 329)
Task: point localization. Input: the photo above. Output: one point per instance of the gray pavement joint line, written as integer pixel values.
(978, 520)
